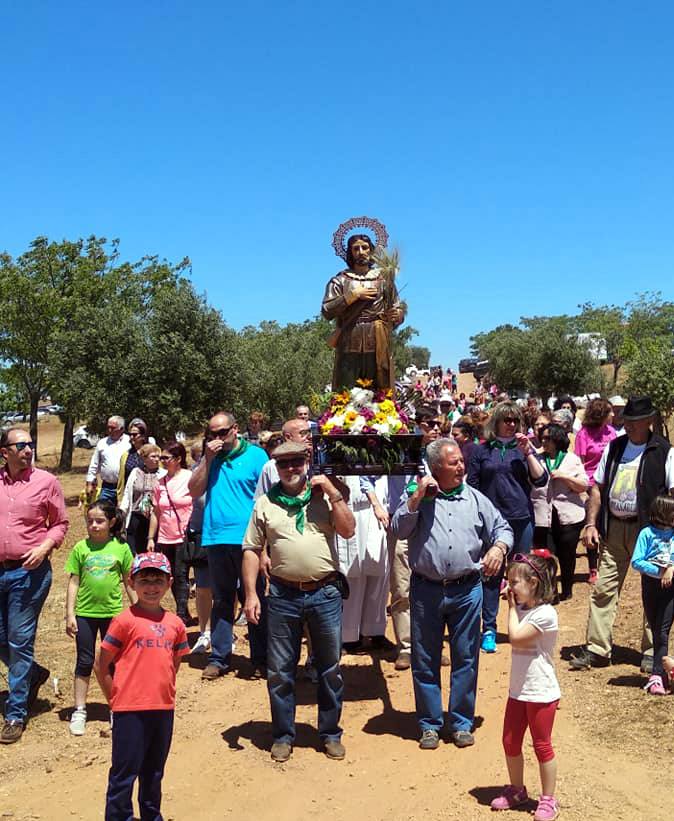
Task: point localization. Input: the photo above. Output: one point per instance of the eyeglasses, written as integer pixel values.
(432, 423)
(133, 435)
(22, 445)
(521, 558)
(510, 421)
(298, 462)
(218, 434)
(166, 458)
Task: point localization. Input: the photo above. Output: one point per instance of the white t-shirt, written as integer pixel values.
(622, 497)
(532, 675)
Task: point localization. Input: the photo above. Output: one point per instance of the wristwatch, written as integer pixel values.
(336, 498)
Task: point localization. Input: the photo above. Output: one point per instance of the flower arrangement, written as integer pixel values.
(361, 411)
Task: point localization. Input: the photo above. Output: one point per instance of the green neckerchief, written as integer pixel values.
(240, 447)
(291, 503)
(503, 446)
(441, 494)
(558, 461)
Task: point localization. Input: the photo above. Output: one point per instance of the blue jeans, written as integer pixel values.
(224, 565)
(141, 741)
(108, 493)
(22, 594)
(491, 588)
(433, 607)
(288, 611)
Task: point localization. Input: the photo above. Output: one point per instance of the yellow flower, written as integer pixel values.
(364, 383)
(387, 406)
(351, 416)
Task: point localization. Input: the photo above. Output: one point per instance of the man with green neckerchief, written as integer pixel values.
(228, 475)
(298, 519)
(455, 536)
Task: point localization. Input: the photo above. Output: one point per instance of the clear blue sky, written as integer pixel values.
(520, 154)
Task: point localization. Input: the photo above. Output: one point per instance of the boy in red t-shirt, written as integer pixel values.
(145, 643)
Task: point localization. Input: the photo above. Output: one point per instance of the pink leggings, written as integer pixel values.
(539, 718)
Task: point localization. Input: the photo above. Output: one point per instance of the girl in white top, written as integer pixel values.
(534, 691)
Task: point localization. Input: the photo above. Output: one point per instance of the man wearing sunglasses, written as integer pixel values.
(228, 475)
(32, 523)
(294, 430)
(455, 536)
(297, 520)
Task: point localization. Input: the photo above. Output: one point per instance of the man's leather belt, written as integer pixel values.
(307, 587)
(468, 577)
(10, 564)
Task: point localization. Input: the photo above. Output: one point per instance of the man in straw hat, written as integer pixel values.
(634, 469)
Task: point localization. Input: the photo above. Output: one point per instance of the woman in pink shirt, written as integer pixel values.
(171, 511)
(591, 440)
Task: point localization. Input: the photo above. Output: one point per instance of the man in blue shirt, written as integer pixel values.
(455, 535)
(228, 475)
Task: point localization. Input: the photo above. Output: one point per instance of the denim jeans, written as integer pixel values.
(22, 594)
(491, 588)
(435, 606)
(288, 611)
(224, 565)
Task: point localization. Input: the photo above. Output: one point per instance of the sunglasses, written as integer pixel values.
(22, 445)
(166, 458)
(432, 423)
(133, 435)
(510, 421)
(218, 434)
(521, 558)
(298, 462)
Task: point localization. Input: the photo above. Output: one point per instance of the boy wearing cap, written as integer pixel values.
(145, 643)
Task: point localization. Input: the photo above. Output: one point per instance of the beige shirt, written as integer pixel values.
(570, 506)
(296, 557)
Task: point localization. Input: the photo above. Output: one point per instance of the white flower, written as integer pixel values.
(382, 427)
(357, 425)
(360, 397)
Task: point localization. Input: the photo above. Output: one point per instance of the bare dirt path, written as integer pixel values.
(614, 744)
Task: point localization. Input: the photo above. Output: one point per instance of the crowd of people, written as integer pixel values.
(506, 492)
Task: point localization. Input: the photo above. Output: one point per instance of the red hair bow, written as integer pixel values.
(542, 553)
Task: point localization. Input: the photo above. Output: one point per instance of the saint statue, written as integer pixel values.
(364, 301)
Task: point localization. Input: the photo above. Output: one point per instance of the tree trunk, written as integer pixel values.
(34, 399)
(66, 460)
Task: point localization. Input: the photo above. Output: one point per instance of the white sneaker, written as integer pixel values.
(78, 721)
(202, 644)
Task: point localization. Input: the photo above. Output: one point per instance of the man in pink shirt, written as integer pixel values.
(32, 523)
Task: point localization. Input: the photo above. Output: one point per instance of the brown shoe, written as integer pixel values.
(280, 751)
(212, 671)
(335, 750)
(11, 732)
(404, 660)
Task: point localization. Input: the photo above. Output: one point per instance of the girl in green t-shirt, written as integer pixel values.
(97, 565)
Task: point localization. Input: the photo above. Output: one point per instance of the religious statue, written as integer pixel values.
(364, 301)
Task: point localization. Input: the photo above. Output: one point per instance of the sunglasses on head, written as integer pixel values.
(22, 445)
(522, 558)
(297, 462)
(218, 434)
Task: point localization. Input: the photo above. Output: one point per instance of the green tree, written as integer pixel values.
(506, 349)
(651, 373)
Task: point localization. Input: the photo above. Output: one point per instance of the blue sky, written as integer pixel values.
(520, 154)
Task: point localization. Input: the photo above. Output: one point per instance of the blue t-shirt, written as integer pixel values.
(230, 497)
(653, 551)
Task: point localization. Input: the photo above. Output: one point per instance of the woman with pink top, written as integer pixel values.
(591, 440)
(171, 512)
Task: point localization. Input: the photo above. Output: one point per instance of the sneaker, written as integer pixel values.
(430, 740)
(462, 738)
(592, 578)
(488, 644)
(212, 671)
(404, 660)
(510, 798)
(655, 686)
(78, 721)
(586, 659)
(38, 677)
(335, 750)
(646, 665)
(11, 732)
(202, 644)
(547, 809)
(280, 751)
